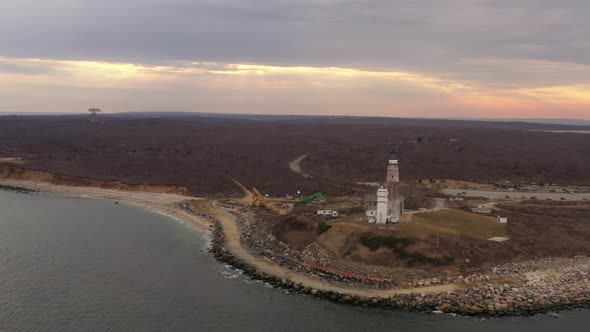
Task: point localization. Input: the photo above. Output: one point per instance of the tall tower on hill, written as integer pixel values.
(394, 204)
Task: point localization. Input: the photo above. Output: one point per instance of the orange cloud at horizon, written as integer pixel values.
(292, 89)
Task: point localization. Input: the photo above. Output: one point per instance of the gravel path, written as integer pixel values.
(295, 166)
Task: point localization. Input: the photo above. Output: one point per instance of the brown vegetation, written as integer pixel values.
(199, 152)
(539, 230)
(297, 232)
(535, 230)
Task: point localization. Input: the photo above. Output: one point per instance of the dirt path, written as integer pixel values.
(164, 203)
(247, 198)
(408, 215)
(295, 166)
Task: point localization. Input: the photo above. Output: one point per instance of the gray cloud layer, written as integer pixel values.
(388, 33)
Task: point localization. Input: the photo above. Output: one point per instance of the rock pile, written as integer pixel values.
(19, 190)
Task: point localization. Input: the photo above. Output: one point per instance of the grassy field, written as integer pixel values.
(455, 222)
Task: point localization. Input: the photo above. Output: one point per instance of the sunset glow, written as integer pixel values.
(474, 59)
(417, 90)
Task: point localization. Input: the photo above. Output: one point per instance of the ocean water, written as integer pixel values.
(82, 264)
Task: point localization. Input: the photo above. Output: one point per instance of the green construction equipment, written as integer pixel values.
(312, 197)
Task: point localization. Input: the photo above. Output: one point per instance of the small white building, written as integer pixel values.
(502, 219)
(382, 194)
(328, 213)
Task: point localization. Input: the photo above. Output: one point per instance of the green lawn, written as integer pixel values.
(453, 222)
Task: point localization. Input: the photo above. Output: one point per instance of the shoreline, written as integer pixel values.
(226, 247)
(433, 299)
(152, 201)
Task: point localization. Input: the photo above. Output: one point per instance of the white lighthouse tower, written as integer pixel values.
(394, 204)
(387, 206)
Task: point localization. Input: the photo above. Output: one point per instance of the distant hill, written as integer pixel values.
(564, 122)
(287, 117)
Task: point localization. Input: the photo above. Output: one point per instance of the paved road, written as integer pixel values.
(519, 194)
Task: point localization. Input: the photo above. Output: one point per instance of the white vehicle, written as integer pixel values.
(328, 213)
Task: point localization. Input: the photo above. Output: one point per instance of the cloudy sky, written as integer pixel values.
(408, 58)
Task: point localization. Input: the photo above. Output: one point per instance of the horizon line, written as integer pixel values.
(585, 122)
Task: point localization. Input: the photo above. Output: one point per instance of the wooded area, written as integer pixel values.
(199, 152)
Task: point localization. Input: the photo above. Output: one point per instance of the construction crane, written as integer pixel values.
(258, 199)
(312, 197)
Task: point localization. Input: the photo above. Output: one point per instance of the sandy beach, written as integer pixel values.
(162, 203)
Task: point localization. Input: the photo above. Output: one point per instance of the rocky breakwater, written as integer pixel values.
(570, 289)
(19, 190)
(535, 286)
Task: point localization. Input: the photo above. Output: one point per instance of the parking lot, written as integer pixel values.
(518, 194)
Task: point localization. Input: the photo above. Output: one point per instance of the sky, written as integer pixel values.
(397, 58)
